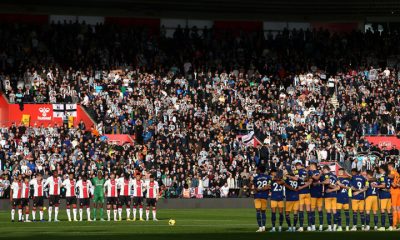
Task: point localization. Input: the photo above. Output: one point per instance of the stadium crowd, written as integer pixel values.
(307, 95)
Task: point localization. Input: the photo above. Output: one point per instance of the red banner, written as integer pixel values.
(384, 142)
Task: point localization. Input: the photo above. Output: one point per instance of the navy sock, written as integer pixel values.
(362, 216)
(321, 217)
(339, 218)
(258, 214)
(273, 219)
(375, 219)
(347, 215)
(367, 219)
(288, 220)
(355, 218)
(295, 218)
(390, 215)
(383, 219)
(263, 218)
(309, 218)
(301, 218)
(329, 218)
(281, 219)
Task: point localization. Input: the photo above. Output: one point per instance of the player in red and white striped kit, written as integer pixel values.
(84, 187)
(110, 188)
(37, 196)
(54, 183)
(138, 189)
(125, 186)
(70, 185)
(152, 197)
(25, 197)
(15, 197)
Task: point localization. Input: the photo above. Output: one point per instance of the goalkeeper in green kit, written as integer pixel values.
(98, 199)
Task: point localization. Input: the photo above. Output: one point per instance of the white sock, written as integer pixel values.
(69, 214)
(108, 214)
(128, 213)
(154, 214)
(75, 211)
(134, 213)
(19, 214)
(120, 213)
(147, 213)
(26, 216)
(80, 214)
(115, 214)
(88, 213)
(50, 211)
(34, 215)
(12, 214)
(55, 213)
(41, 214)
(141, 213)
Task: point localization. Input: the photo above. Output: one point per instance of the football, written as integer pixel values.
(171, 222)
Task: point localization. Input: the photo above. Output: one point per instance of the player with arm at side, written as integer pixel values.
(54, 183)
(342, 202)
(292, 200)
(98, 198)
(15, 197)
(152, 198)
(358, 187)
(304, 195)
(70, 186)
(37, 196)
(25, 197)
(261, 184)
(316, 189)
(138, 189)
(395, 193)
(384, 185)
(125, 185)
(84, 187)
(330, 194)
(371, 200)
(110, 188)
(277, 199)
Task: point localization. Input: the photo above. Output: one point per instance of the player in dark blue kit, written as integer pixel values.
(384, 184)
(261, 185)
(371, 201)
(342, 202)
(358, 187)
(277, 199)
(316, 196)
(292, 200)
(330, 191)
(304, 195)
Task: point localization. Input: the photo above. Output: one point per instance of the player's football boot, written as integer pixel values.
(102, 219)
(272, 230)
(381, 229)
(300, 229)
(309, 229)
(390, 228)
(141, 219)
(155, 219)
(56, 220)
(347, 228)
(354, 228)
(321, 228)
(280, 229)
(260, 229)
(339, 229)
(27, 220)
(89, 220)
(128, 219)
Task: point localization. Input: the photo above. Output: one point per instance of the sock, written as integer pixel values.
(367, 219)
(128, 212)
(101, 213)
(312, 218)
(34, 215)
(88, 213)
(134, 212)
(390, 216)
(295, 219)
(108, 213)
(362, 216)
(258, 216)
(75, 211)
(80, 214)
(148, 213)
(338, 217)
(56, 213)
(263, 218)
(329, 218)
(94, 213)
(115, 214)
(19, 214)
(69, 214)
(394, 214)
(141, 212)
(281, 219)
(120, 213)
(288, 220)
(309, 218)
(12, 214)
(154, 213)
(301, 218)
(383, 219)
(41, 214)
(375, 219)
(26, 216)
(273, 219)
(347, 215)
(50, 211)
(355, 219)
(321, 217)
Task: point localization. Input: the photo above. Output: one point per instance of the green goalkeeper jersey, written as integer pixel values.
(98, 186)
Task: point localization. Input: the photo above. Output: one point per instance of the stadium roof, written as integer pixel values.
(212, 9)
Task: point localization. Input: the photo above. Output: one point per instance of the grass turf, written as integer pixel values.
(190, 225)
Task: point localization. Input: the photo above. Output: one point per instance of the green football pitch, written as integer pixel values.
(190, 225)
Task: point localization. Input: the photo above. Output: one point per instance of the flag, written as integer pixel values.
(25, 119)
(60, 108)
(70, 122)
(249, 139)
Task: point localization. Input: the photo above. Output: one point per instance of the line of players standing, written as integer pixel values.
(119, 192)
(309, 189)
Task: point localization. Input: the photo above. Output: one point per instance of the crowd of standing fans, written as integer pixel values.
(307, 95)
